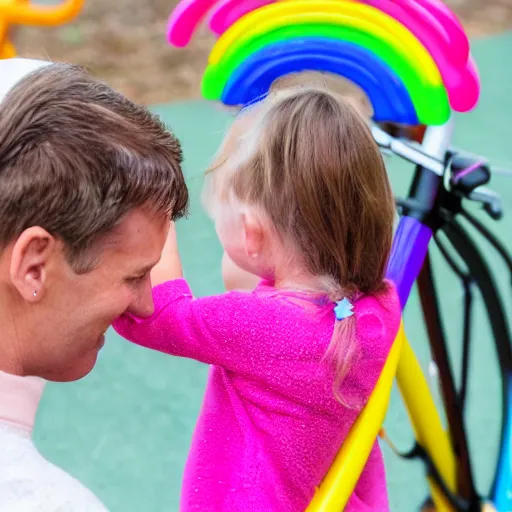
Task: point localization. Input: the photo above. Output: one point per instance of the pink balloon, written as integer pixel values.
(184, 20)
(465, 94)
(446, 44)
(228, 12)
(451, 24)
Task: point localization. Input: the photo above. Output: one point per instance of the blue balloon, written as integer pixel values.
(386, 91)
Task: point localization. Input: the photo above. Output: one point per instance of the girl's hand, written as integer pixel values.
(169, 266)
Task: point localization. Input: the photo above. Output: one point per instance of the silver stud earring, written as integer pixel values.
(35, 293)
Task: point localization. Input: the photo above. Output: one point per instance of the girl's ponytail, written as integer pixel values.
(342, 352)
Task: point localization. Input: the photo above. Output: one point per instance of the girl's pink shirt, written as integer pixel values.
(270, 426)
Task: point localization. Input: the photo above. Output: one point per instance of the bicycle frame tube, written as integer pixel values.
(410, 248)
(427, 425)
(412, 237)
(432, 315)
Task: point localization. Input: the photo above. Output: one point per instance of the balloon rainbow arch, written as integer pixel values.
(411, 57)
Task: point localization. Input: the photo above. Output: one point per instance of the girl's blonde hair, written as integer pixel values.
(306, 160)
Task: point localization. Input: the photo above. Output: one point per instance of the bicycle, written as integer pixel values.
(444, 179)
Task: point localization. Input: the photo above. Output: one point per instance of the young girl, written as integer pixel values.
(300, 198)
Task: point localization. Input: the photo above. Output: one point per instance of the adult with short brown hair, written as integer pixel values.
(89, 185)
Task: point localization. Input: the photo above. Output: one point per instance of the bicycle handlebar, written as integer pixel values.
(414, 153)
(407, 150)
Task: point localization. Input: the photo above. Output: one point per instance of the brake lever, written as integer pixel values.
(412, 152)
(491, 201)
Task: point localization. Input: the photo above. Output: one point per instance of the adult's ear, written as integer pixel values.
(31, 254)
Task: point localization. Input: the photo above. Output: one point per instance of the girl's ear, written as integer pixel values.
(254, 236)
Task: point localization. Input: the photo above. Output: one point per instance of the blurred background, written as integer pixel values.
(124, 43)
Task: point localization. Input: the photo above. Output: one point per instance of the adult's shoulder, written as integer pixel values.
(31, 483)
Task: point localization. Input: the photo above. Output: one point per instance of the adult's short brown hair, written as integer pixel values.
(76, 156)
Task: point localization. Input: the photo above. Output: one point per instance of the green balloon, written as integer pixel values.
(430, 100)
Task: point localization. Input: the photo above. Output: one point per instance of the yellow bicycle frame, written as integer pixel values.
(340, 481)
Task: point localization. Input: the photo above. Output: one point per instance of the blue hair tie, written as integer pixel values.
(344, 308)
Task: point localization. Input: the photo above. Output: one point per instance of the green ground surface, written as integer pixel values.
(124, 431)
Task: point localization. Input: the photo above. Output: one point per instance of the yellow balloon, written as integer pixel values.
(341, 12)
